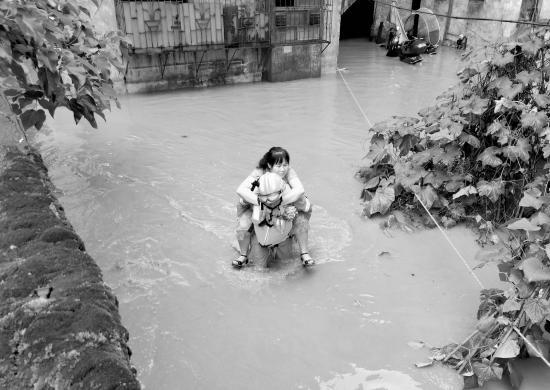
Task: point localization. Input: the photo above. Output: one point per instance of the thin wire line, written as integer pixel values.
(532, 346)
(354, 98)
(464, 17)
(451, 243)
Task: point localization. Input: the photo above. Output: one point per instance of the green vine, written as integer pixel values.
(480, 154)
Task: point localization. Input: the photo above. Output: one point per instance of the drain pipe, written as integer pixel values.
(448, 21)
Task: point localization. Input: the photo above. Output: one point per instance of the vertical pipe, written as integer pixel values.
(415, 5)
(448, 21)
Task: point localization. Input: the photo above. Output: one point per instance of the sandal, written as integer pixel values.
(307, 261)
(240, 261)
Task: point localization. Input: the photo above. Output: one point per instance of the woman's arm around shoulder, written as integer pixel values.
(296, 187)
(244, 189)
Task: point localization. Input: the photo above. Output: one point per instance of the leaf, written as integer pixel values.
(427, 195)
(33, 118)
(494, 127)
(466, 138)
(523, 224)
(450, 154)
(529, 200)
(377, 150)
(536, 120)
(474, 105)
(503, 60)
(540, 219)
(373, 182)
(491, 189)
(381, 202)
(485, 371)
(536, 309)
(466, 191)
(511, 305)
(526, 78)
(534, 270)
(508, 350)
(506, 88)
(520, 150)
(542, 100)
(489, 157)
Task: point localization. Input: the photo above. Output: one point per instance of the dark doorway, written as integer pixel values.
(357, 20)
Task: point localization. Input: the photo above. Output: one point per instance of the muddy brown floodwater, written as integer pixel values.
(152, 193)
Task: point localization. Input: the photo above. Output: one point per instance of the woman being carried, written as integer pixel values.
(276, 160)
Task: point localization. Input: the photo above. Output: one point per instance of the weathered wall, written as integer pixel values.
(294, 62)
(149, 72)
(329, 57)
(59, 323)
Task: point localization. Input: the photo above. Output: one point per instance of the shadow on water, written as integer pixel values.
(152, 193)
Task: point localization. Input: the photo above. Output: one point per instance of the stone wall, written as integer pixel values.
(59, 323)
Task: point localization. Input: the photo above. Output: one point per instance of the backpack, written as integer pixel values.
(272, 235)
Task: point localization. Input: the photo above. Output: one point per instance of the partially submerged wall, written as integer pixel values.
(59, 323)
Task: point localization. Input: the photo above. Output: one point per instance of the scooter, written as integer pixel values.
(411, 50)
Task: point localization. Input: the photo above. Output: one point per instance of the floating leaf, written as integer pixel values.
(523, 224)
(491, 189)
(529, 200)
(424, 364)
(508, 350)
(534, 270)
(489, 157)
(536, 309)
(469, 190)
(485, 371)
(381, 202)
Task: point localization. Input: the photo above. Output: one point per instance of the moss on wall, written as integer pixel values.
(59, 322)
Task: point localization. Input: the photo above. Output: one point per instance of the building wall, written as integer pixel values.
(329, 57)
(294, 62)
(478, 32)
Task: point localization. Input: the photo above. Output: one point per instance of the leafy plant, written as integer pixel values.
(480, 154)
(50, 57)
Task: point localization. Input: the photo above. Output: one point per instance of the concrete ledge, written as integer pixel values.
(59, 323)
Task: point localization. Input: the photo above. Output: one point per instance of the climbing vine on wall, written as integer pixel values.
(480, 153)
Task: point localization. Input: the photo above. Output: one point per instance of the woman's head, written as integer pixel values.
(276, 160)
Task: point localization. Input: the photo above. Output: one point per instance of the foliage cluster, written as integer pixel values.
(481, 153)
(51, 57)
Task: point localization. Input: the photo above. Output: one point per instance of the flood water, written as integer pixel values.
(152, 193)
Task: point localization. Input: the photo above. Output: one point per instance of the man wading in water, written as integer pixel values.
(276, 195)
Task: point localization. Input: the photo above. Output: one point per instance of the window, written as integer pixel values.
(280, 20)
(284, 3)
(314, 18)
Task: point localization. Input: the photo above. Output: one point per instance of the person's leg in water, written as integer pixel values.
(244, 222)
(301, 232)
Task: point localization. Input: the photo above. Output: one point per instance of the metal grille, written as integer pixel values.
(191, 25)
